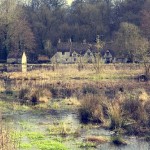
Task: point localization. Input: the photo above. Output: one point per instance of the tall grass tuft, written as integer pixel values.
(91, 109)
(116, 116)
(6, 140)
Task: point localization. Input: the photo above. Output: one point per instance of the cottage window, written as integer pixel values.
(107, 53)
(66, 59)
(88, 53)
(63, 53)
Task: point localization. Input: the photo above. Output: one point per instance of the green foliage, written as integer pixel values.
(37, 140)
(50, 145)
(25, 146)
(87, 145)
(35, 135)
(62, 128)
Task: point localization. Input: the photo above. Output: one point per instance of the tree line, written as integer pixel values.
(37, 25)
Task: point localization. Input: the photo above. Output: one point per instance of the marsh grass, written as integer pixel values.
(38, 141)
(91, 109)
(72, 101)
(6, 140)
(87, 145)
(97, 139)
(34, 95)
(63, 129)
(29, 139)
(50, 145)
(133, 106)
(116, 116)
(127, 113)
(2, 87)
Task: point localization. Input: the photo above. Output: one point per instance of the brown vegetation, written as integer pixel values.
(126, 115)
(97, 139)
(34, 96)
(6, 140)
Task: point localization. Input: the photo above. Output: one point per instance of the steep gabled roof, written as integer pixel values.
(43, 58)
(15, 54)
(80, 48)
(105, 50)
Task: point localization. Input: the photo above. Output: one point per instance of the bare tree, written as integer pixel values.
(98, 56)
(16, 33)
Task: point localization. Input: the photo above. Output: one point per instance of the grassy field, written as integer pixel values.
(67, 72)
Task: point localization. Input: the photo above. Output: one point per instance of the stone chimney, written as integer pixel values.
(84, 41)
(59, 41)
(70, 41)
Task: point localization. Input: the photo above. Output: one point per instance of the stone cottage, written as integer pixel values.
(43, 59)
(108, 57)
(14, 57)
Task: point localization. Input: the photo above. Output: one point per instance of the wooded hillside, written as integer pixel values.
(36, 26)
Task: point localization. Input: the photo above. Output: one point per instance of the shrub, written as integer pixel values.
(134, 109)
(90, 90)
(137, 112)
(61, 92)
(9, 92)
(34, 96)
(117, 140)
(23, 96)
(143, 96)
(23, 93)
(91, 109)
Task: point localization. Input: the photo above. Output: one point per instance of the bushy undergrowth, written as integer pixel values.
(91, 109)
(126, 113)
(34, 95)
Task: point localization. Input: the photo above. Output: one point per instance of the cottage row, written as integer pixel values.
(72, 52)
